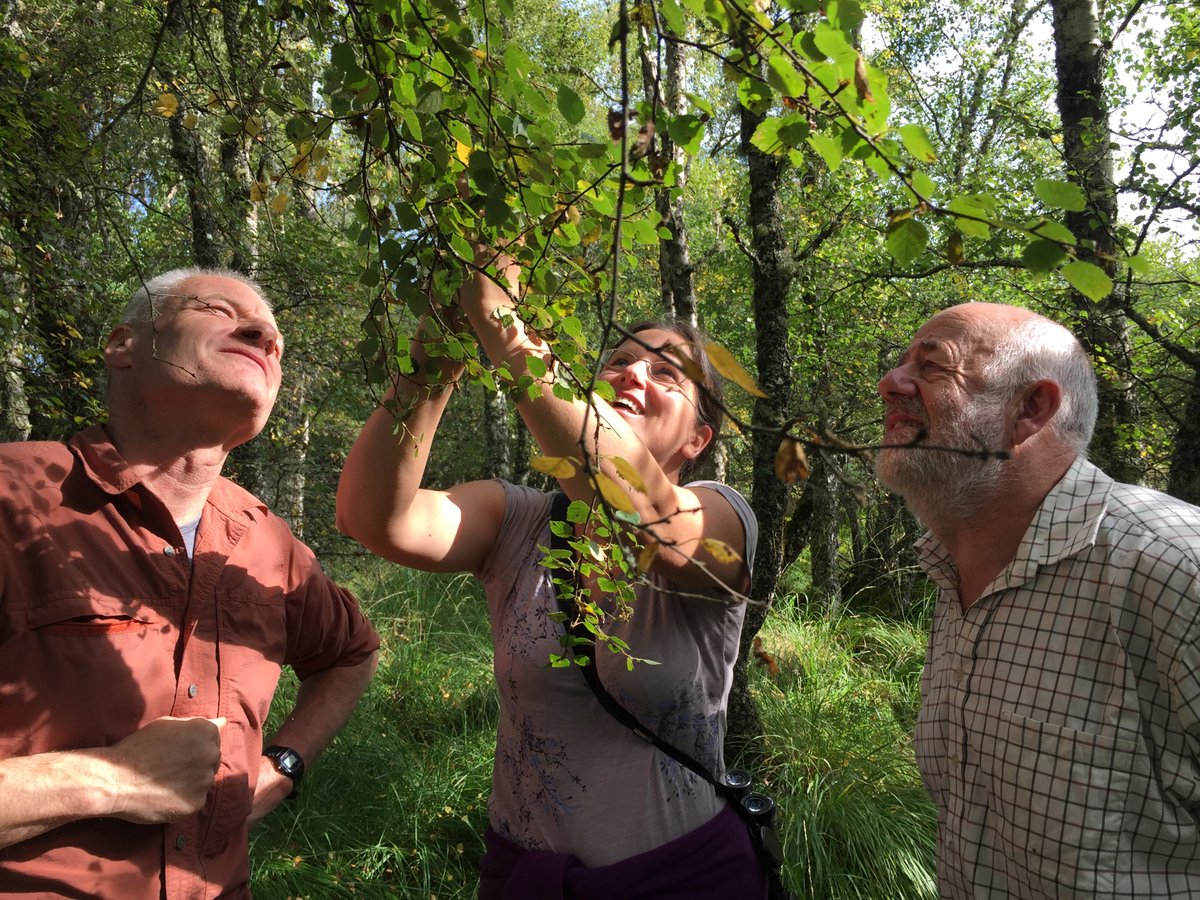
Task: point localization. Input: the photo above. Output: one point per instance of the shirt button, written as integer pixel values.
(180, 842)
(193, 689)
(168, 551)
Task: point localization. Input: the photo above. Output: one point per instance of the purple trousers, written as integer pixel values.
(714, 862)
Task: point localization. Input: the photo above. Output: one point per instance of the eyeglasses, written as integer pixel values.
(658, 369)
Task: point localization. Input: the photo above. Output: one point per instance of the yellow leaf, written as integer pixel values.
(614, 495)
(279, 204)
(253, 126)
(258, 191)
(720, 551)
(791, 462)
(555, 466)
(690, 367)
(724, 363)
(299, 164)
(321, 174)
(190, 120)
(166, 105)
(954, 248)
(463, 152)
(626, 470)
(647, 556)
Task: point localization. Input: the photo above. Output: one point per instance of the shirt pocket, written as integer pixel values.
(89, 616)
(84, 670)
(252, 635)
(1059, 799)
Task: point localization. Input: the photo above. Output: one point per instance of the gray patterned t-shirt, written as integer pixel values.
(568, 777)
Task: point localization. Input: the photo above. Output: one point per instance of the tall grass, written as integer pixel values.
(396, 807)
(856, 822)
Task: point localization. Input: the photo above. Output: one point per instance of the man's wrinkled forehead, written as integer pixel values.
(961, 330)
(207, 291)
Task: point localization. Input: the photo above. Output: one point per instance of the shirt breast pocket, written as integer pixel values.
(84, 670)
(252, 633)
(1060, 798)
(90, 616)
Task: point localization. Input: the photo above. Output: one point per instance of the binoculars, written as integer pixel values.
(759, 810)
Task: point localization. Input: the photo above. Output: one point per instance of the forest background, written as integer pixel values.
(807, 180)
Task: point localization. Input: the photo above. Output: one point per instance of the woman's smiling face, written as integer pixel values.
(656, 397)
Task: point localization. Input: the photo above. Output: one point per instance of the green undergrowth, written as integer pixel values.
(396, 807)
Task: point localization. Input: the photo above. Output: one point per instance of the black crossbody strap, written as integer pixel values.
(558, 512)
(764, 838)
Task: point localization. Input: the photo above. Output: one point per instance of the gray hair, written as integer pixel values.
(146, 301)
(1041, 349)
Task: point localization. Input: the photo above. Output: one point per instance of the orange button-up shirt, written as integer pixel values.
(105, 625)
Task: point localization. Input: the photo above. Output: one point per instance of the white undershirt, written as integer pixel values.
(188, 530)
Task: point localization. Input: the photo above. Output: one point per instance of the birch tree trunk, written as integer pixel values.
(1080, 58)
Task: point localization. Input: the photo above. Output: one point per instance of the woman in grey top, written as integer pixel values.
(580, 806)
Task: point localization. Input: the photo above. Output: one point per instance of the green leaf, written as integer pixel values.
(1053, 231)
(461, 247)
(570, 105)
(970, 206)
(1060, 194)
(777, 135)
(578, 512)
(1138, 264)
(673, 16)
(829, 149)
(342, 57)
(923, 185)
(783, 75)
(916, 141)
(755, 95)
(686, 131)
(1088, 278)
(846, 14)
(1042, 256)
(832, 42)
(906, 240)
(766, 137)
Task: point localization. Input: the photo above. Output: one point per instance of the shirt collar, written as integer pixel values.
(108, 470)
(1066, 523)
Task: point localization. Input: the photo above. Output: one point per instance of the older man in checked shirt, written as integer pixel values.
(1059, 732)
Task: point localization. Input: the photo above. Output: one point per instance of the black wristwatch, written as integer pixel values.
(288, 762)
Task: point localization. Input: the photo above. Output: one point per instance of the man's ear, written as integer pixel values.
(1036, 409)
(118, 349)
(694, 447)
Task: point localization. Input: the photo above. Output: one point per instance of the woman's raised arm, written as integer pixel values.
(682, 519)
(380, 501)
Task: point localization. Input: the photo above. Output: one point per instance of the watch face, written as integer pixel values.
(289, 761)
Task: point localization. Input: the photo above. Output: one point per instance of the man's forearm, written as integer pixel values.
(324, 702)
(42, 792)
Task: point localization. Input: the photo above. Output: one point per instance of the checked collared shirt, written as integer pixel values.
(1060, 727)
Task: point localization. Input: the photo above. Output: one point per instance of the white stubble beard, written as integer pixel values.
(941, 486)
